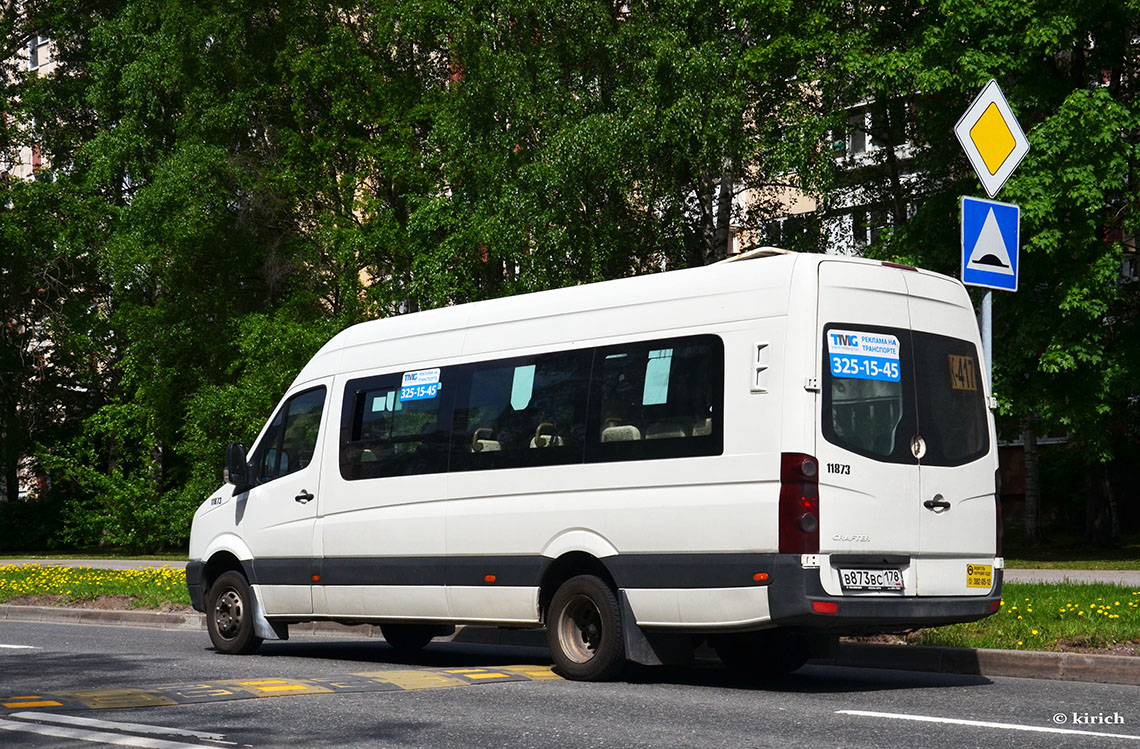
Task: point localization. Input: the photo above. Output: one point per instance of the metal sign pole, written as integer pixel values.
(987, 337)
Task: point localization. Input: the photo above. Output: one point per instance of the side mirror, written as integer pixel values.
(237, 468)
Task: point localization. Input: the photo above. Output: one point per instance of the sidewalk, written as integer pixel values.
(1128, 578)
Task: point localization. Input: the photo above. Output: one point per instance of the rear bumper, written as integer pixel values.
(195, 582)
(794, 590)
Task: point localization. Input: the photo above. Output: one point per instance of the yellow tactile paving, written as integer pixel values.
(416, 679)
(240, 689)
(111, 699)
(534, 673)
(478, 673)
(31, 702)
(275, 687)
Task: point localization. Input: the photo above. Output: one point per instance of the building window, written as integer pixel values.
(38, 52)
(857, 127)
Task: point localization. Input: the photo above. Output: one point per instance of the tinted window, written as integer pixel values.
(866, 415)
(291, 440)
(393, 426)
(951, 404)
(874, 403)
(521, 412)
(657, 399)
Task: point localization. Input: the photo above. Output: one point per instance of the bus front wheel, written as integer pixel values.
(584, 630)
(229, 615)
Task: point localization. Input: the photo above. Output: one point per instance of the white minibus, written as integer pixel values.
(760, 454)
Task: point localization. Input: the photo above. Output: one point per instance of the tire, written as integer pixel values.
(408, 638)
(763, 655)
(229, 615)
(584, 630)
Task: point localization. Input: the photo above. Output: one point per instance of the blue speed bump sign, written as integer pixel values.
(990, 236)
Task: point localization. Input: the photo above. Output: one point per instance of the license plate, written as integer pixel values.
(980, 576)
(871, 579)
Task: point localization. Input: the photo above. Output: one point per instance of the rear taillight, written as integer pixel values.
(1000, 526)
(799, 504)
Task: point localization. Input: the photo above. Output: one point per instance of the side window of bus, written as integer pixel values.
(521, 412)
(657, 399)
(384, 434)
(291, 440)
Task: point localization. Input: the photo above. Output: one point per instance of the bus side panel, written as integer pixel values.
(373, 534)
(652, 510)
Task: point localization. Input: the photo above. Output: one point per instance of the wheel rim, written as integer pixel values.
(228, 612)
(580, 629)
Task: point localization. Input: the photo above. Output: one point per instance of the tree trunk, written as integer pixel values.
(1098, 524)
(10, 450)
(1113, 508)
(1032, 483)
(723, 234)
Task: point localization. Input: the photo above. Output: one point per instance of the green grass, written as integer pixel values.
(1045, 616)
(98, 555)
(149, 588)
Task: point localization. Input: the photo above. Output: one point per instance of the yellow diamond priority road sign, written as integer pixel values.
(991, 138)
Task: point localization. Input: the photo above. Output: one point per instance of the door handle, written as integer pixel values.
(937, 504)
(304, 497)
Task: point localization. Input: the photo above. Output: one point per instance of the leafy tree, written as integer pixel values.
(230, 183)
(163, 113)
(1060, 342)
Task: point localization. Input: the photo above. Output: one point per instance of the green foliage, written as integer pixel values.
(39, 523)
(268, 351)
(1061, 350)
(228, 184)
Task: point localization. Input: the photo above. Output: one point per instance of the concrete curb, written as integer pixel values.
(65, 615)
(1025, 664)
(1102, 669)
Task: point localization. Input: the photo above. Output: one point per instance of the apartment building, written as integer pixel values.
(35, 58)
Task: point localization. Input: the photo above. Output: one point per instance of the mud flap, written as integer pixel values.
(262, 627)
(654, 649)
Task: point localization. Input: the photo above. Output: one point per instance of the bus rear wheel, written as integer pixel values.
(408, 638)
(584, 630)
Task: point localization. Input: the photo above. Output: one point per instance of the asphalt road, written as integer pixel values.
(469, 696)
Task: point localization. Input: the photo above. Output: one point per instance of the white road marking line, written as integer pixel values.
(71, 720)
(100, 737)
(20, 647)
(986, 724)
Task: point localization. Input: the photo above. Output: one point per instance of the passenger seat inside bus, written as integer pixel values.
(622, 433)
(664, 430)
(544, 436)
(481, 444)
